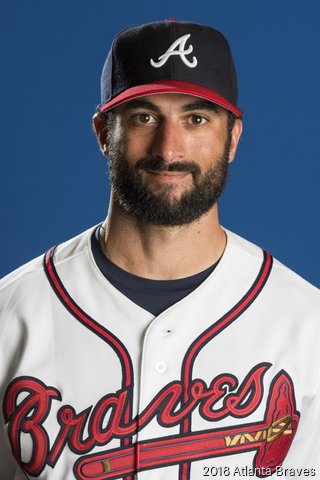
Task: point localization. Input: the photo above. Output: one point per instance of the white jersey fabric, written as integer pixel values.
(223, 384)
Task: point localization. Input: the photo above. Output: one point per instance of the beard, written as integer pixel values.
(163, 207)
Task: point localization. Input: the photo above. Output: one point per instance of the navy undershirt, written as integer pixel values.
(155, 296)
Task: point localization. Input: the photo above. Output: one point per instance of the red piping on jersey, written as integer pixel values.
(191, 354)
(95, 327)
(210, 333)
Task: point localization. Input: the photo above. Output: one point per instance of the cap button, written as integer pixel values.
(170, 20)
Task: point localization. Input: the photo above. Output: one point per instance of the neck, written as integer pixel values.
(158, 252)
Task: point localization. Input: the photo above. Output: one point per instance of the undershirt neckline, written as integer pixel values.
(155, 296)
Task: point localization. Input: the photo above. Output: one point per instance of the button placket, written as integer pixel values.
(157, 357)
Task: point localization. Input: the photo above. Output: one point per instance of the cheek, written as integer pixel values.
(137, 146)
(204, 149)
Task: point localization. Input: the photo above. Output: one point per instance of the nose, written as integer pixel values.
(168, 142)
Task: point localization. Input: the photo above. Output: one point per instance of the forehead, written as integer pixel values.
(169, 102)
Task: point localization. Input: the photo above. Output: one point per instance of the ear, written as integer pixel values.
(99, 128)
(235, 137)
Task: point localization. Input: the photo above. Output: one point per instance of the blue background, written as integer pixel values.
(53, 178)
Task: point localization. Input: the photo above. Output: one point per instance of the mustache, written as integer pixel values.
(157, 164)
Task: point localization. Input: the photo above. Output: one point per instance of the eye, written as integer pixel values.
(144, 118)
(197, 120)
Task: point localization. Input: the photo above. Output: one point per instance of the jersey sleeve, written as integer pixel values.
(9, 469)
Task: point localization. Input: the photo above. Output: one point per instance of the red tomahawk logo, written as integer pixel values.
(271, 439)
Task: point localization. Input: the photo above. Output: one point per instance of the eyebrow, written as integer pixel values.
(201, 105)
(196, 105)
(133, 104)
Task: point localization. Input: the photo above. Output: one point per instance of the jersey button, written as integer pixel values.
(166, 332)
(161, 367)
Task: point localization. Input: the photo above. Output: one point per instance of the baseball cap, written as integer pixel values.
(169, 57)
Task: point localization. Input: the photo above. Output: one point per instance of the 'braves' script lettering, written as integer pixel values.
(28, 403)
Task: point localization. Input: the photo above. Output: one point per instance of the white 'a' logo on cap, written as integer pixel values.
(174, 50)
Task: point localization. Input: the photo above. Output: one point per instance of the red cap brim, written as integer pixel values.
(170, 86)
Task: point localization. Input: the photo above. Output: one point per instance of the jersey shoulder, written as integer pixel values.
(30, 274)
(284, 283)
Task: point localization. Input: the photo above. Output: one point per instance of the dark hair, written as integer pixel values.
(108, 121)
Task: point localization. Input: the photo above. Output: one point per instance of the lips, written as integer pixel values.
(168, 176)
(168, 173)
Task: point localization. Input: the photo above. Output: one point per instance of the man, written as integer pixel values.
(158, 344)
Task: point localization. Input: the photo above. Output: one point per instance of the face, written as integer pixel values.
(169, 157)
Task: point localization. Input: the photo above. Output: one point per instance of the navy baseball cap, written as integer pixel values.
(169, 57)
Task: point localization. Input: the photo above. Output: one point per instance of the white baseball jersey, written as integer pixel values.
(223, 384)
